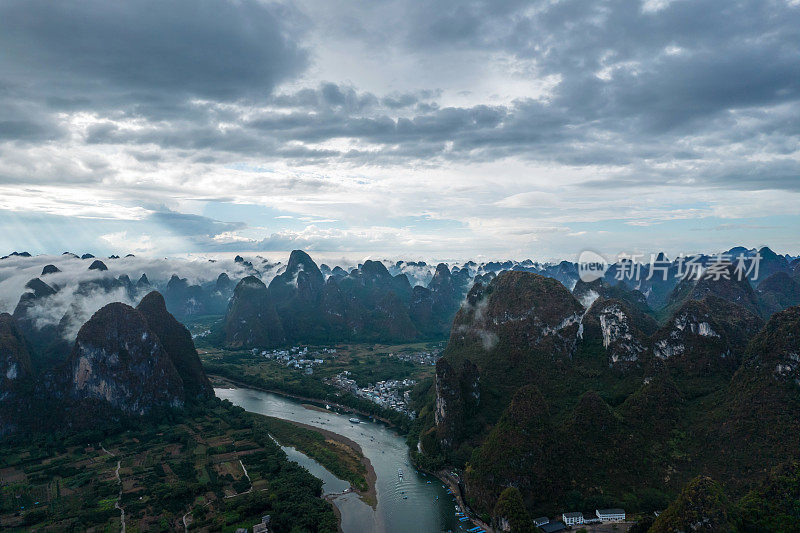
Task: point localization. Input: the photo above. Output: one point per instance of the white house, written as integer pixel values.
(610, 515)
(572, 518)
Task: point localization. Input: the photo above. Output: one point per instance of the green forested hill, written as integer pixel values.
(531, 393)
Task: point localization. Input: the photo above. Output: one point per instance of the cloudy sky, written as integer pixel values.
(446, 129)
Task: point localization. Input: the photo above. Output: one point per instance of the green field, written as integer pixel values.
(188, 466)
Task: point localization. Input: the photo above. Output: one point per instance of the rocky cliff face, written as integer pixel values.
(376, 303)
(50, 269)
(15, 373)
(123, 361)
(769, 264)
(521, 328)
(457, 398)
(185, 300)
(120, 361)
(37, 312)
(757, 422)
(622, 331)
(36, 290)
(587, 293)
(366, 304)
(177, 342)
(432, 309)
(15, 360)
(510, 513)
(701, 506)
(252, 319)
(40, 336)
(525, 311)
(705, 336)
(520, 332)
(518, 451)
(143, 283)
(724, 282)
(776, 349)
(297, 295)
(301, 280)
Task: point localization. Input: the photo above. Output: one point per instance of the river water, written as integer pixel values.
(413, 503)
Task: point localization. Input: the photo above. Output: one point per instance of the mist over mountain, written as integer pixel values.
(123, 361)
(52, 296)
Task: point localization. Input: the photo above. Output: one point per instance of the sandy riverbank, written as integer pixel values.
(312, 407)
(370, 496)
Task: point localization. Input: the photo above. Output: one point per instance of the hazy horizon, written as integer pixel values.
(353, 258)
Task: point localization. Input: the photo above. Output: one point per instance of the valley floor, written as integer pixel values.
(361, 364)
(212, 471)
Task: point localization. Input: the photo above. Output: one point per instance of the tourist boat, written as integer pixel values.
(400, 472)
(355, 420)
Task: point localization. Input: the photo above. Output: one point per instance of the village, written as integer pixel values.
(392, 393)
(298, 357)
(420, 358)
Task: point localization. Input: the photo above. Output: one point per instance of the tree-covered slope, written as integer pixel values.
(576, 407)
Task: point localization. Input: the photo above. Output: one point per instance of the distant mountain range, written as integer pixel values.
(268, 304)
(366, 304)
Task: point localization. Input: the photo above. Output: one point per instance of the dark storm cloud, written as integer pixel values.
(24, 121)
(22, 130)
(638, 86)
(150, 53)
(727, 54)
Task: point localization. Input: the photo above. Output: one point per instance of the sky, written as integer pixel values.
(399, 128)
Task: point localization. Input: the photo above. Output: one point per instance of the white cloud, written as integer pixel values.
(444, 128)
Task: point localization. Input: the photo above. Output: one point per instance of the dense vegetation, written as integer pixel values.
(186, 464)
(775, 504)
(583, 411)
(511, 512)
(703, 505)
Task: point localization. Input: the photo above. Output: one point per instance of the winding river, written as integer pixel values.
(413, 503)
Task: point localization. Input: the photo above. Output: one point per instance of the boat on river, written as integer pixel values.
(355, 420)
